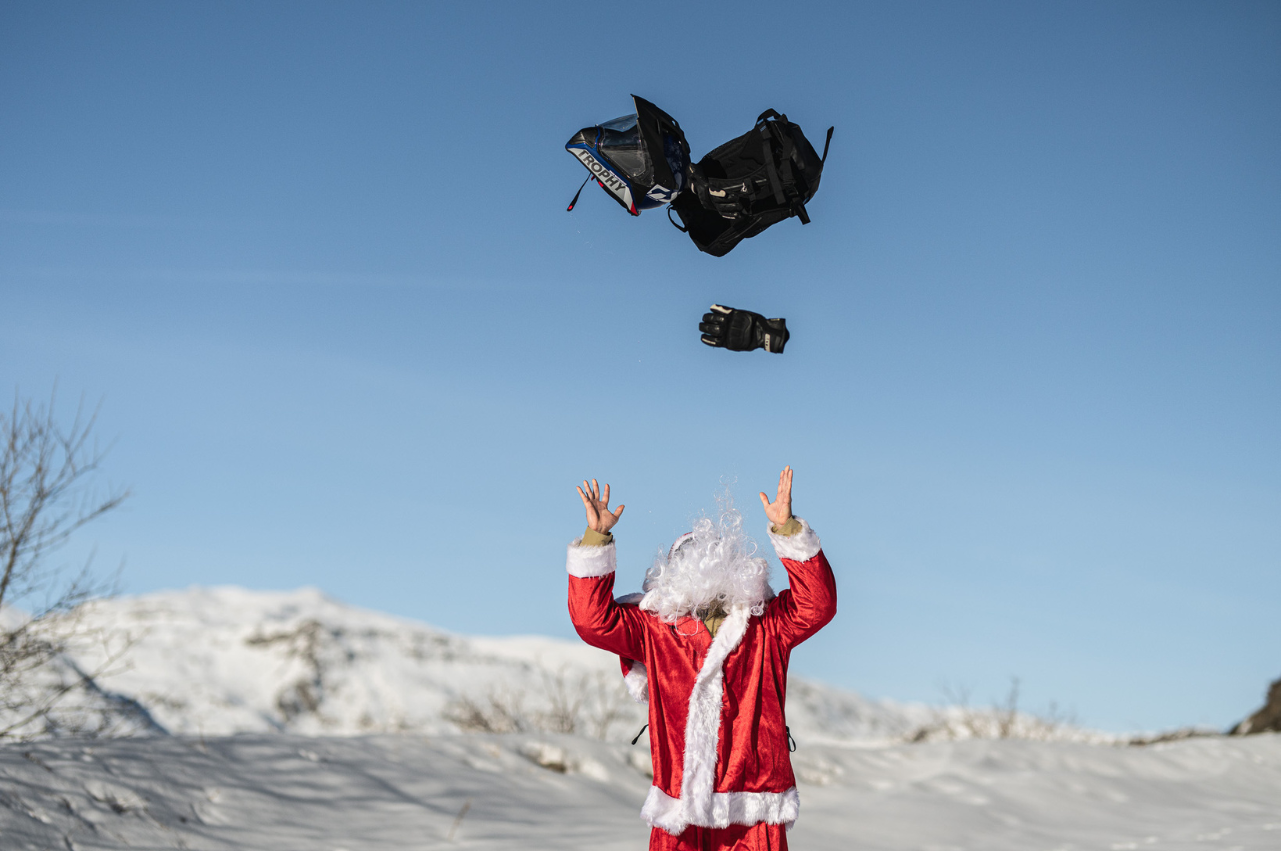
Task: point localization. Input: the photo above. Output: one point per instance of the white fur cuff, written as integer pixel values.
(586, 562)
(802, 546)
(663, 811)
(637, 682)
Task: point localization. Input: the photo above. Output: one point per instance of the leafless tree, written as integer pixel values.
(588, 703)
(47, 494)
(1007, 713)
(610, 706)
(502, 712)
(957, 719)
(565, 698)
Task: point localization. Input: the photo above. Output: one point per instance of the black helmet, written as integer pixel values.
(641, 160)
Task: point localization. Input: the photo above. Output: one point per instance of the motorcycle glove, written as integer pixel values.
(741, 330)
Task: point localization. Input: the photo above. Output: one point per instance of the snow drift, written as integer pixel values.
(554, 792)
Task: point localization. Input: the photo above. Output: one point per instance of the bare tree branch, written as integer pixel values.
(46, 496)
(589, 702)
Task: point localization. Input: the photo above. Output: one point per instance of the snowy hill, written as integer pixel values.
(218, 661)
(277, 669)
(544, 791)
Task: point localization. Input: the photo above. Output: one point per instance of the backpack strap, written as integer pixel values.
(785, 161)
(786, 152)
(825, 144)
(570, 208)
(786, 186)
(774, 182)
(679, 228)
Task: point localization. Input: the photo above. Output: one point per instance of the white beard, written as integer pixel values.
(715, 568)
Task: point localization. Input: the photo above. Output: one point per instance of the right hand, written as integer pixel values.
(596, 501)
(780, 510)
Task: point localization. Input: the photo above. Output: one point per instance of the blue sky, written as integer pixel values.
(314, 259)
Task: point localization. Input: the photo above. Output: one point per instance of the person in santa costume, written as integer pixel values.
(707, 644)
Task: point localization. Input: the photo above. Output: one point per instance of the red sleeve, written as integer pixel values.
(809, 604)
(599, 620)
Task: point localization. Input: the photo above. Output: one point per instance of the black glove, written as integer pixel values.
(742, 330)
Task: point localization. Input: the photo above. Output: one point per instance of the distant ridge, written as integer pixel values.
(226, 660)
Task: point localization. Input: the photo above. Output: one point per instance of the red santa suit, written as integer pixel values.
(717, 727)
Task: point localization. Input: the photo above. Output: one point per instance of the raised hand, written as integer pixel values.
(780, 510)
(596, 501)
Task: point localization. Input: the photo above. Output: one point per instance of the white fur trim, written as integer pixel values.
(637, 682)
(697, 803)
(637, 678)
(586, 562)
(663, 811)
(802, 546)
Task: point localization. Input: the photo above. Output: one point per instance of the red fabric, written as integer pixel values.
(752, 751)
(736, 837)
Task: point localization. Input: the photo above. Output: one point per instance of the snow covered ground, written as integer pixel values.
(292, 721)
(568, 792)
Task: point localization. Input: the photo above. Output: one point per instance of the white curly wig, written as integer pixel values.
(714, 566)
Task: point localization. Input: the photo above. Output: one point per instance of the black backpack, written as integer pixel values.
(735, 192)
(749, 183)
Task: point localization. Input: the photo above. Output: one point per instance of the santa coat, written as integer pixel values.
(717, 728)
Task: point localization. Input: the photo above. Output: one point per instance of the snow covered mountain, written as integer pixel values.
(217, 661)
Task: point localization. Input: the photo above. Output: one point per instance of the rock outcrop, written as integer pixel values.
(1267, 719)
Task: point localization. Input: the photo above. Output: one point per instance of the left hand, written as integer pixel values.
(596, 501)
(780, 510)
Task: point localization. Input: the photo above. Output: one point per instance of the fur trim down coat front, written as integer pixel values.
(717, 726)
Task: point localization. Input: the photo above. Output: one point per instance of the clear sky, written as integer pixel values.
(315, 260)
